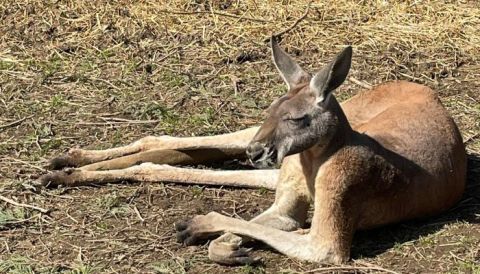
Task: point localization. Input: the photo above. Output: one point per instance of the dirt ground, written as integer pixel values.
(98, 74)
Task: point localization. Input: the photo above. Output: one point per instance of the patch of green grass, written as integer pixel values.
(117, 138)
(102, 226)
(251, 269)
(121, 210)
(130, 66)
(262, 191)
(17, 185)
(249, 102)
(467, 240)
(113, 204)
(7, 65)
(397, 246)
(169, 267)
(51, 145)
(197, 191)
(109, 201)
(342, 96)
(16, 265)
(57, 100)
(107, 53)
(83, 269)
(87, 65)
(466, 267)
(279, 89)
(26, 107)
(428, 240)
(204, 117)
(171, 79)
(44, 130)
(154, 111)
(47, 67)
(7, 216)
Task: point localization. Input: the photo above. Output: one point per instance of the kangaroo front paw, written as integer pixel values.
(196, 230)
(57, 178)
(227, 250)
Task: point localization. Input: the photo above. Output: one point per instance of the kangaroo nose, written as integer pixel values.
(255, 151)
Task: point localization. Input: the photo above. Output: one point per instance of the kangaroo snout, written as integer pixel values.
(261, 155)
(255, 151)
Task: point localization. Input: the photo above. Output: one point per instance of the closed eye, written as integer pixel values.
(297, 119)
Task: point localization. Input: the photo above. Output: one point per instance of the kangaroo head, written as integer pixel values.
(306, 116)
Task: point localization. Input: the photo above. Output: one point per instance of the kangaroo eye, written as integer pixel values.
(298, 120)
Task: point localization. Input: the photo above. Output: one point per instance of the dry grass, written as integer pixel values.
(102, 73)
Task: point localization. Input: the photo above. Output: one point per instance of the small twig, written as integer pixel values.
(10, 201)
(106, 82)
(6, 246)
(360, 83)
(40, 140)
(116, 119)
(458, 258)
(37, 142)
(138, 214)
(215, 13)
(110, 123)
(168, 54)
(304, 15)
(235, 83)
(22, 220)
(469, 139)
(70, 217)
(25, 163)
(15, 123)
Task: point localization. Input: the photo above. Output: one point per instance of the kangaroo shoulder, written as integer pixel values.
(359, 164)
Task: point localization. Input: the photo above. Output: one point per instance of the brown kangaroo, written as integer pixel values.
(386, 155)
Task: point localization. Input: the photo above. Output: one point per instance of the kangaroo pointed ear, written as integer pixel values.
(290, 71)
(332, 75)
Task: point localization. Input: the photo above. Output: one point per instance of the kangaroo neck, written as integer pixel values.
(318, 154)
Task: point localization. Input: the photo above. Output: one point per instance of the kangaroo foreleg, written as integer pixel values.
(80, 157)
(168, 156)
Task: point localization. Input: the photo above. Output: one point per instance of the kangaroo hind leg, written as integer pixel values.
(288, 213)
(148, 172)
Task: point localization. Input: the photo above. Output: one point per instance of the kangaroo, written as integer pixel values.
(386, 155)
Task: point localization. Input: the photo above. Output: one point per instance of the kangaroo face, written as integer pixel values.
(304, 116)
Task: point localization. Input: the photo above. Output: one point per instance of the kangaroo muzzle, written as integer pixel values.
(261, 155)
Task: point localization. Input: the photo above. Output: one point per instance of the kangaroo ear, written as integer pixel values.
(332, 75)
(290, 71)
